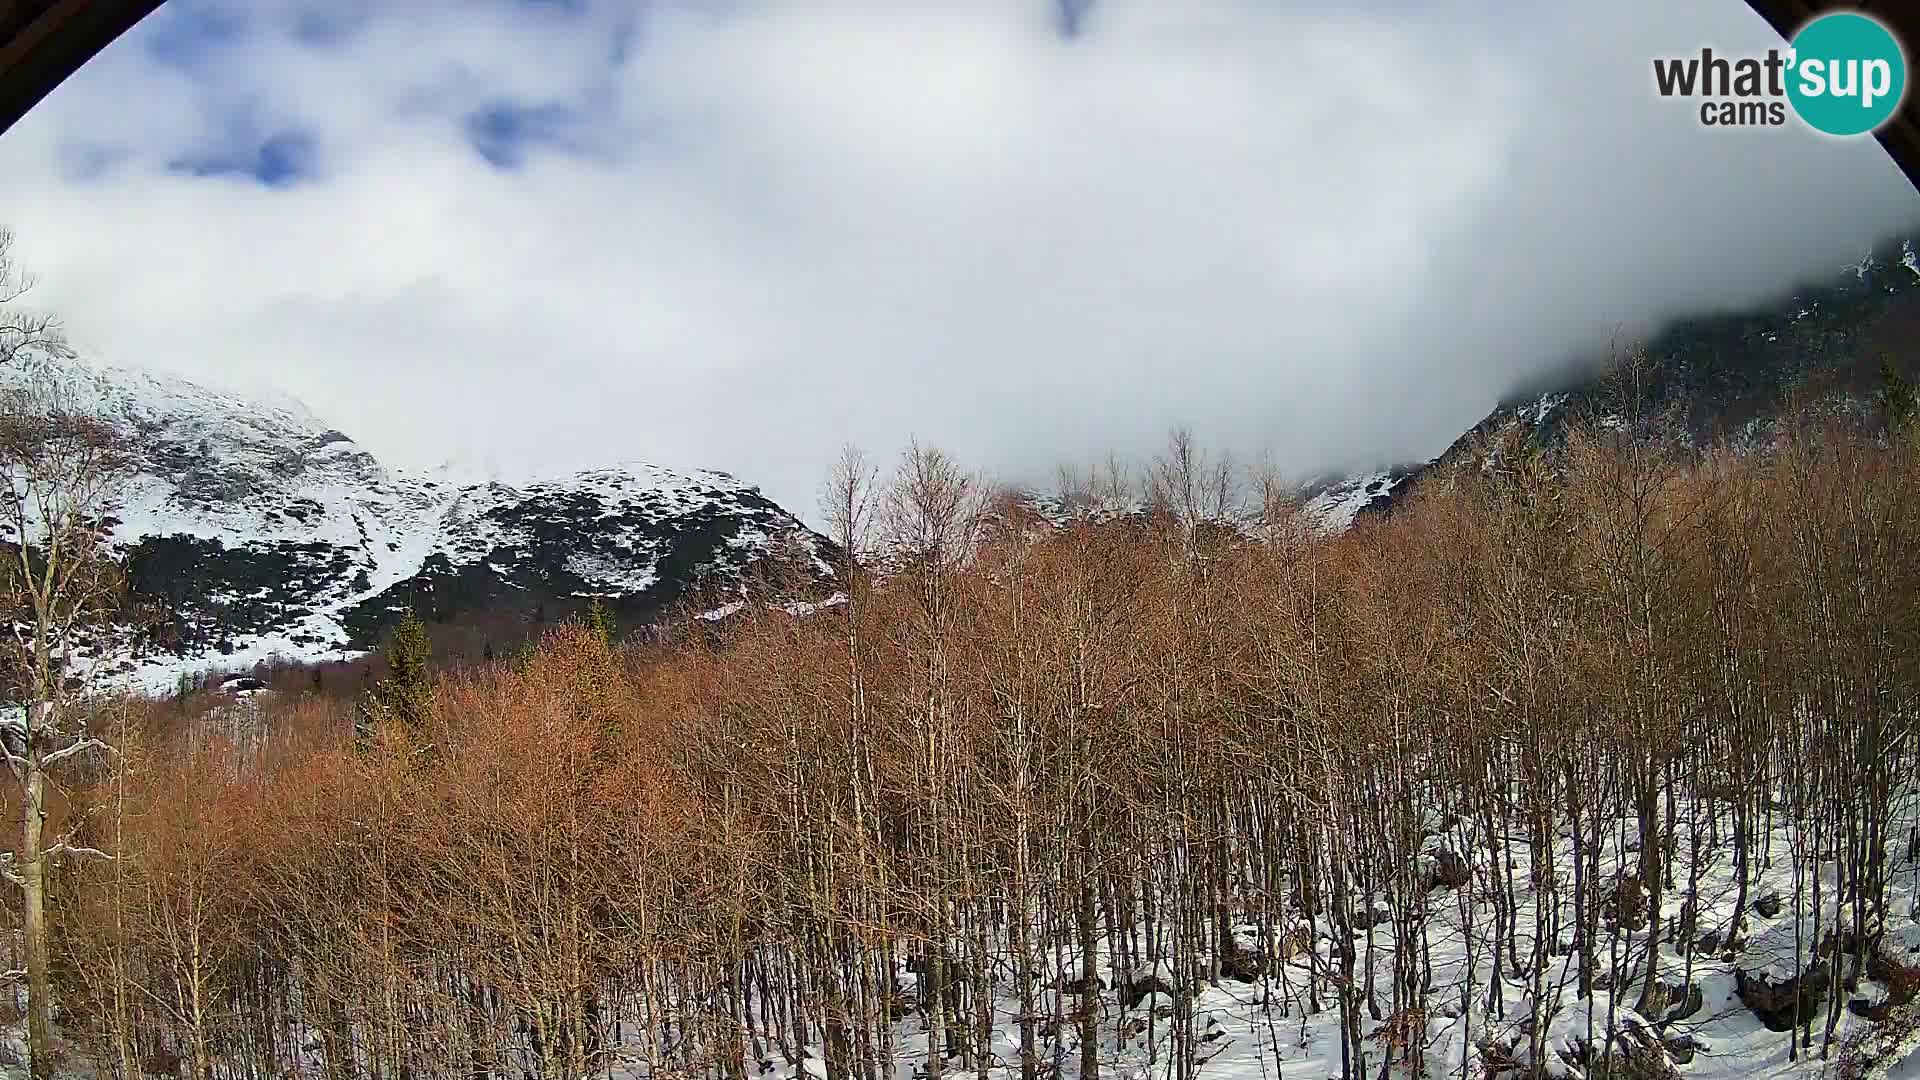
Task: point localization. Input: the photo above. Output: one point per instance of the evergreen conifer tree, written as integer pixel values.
(407, 691)
(600, 622)
(406, 694)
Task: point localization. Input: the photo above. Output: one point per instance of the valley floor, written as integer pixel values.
(1265, 1029)
(1264, 1026)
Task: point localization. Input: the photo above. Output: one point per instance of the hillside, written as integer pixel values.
(253, 530)
(1715, 376)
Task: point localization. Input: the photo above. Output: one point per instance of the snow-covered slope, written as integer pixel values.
(1333, 506)
(254, 529)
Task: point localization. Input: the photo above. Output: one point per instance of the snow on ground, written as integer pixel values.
(1262, 1030)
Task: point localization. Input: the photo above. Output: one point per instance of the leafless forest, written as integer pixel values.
(1541, 736)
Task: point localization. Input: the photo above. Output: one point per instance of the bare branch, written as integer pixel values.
(86, 745)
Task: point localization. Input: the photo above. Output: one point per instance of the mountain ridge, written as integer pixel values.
(252, 530)
(1723, 375)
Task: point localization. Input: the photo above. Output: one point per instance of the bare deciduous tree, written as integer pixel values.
(23, 331)
(60, 469)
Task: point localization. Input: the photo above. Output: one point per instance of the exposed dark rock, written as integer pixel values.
(550, 539)
(1243, 965)
(1683, 1046)
(1783, 1004)
(1625, 905)
(1447, 869)
(1676, 1001)
(1085, 984)
(1634, 1051)
(1377, 913)
(1767, 983)
(1142, 986)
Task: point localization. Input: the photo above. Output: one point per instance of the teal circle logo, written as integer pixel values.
(1847, 74)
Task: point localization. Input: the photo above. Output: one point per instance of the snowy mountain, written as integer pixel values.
(1724, 375)
(1334, 503)
(253, 529)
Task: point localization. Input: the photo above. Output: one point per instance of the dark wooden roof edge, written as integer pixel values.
(44, 41)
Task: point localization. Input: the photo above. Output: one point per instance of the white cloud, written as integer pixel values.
(1334, 234)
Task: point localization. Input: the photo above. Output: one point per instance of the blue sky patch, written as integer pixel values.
(503, 132)
(1073, 16)
(278, 161)
(330, 24)
(186, 33)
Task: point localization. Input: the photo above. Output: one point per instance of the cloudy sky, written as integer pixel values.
(534, 236)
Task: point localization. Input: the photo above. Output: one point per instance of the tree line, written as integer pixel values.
(1045, 761)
